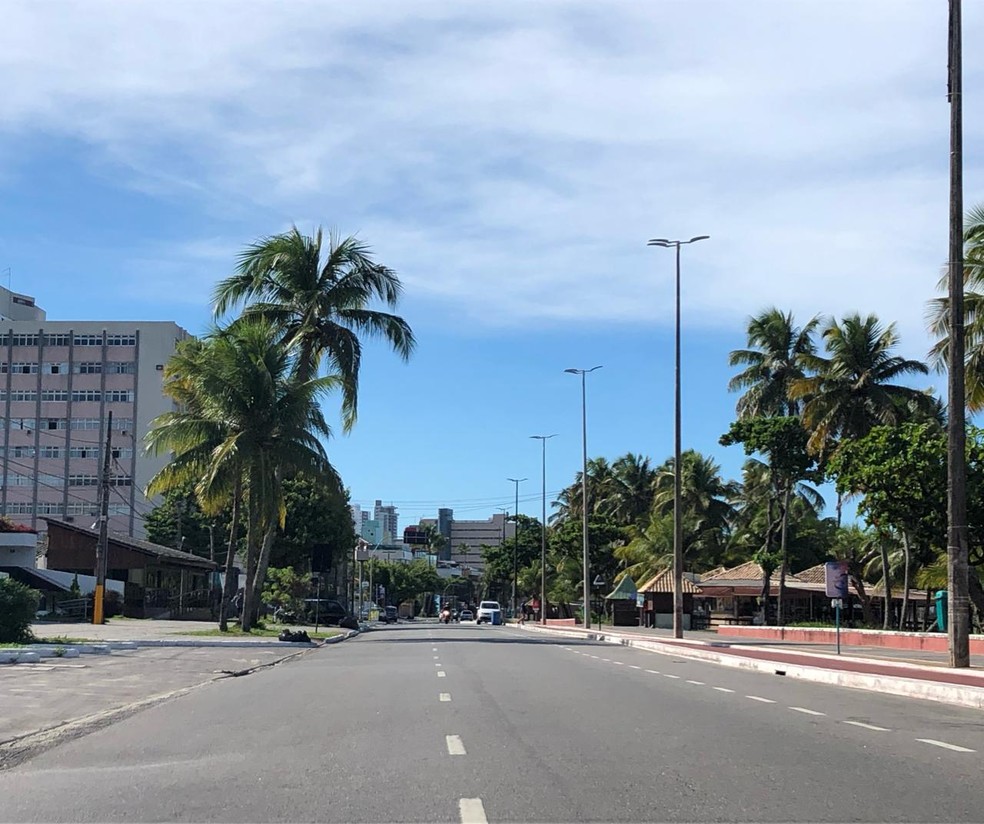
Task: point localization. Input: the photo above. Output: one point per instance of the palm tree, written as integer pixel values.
(853, 389)
(773, 361)
(627, 494)
(247, 418)
(569, 500)
(319, 296)
(973, 312)
(706, 506)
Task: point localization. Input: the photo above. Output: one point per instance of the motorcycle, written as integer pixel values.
(446, 616)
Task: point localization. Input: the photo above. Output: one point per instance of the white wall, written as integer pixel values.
(18, 549)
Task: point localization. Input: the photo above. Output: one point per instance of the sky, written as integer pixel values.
(509, 160)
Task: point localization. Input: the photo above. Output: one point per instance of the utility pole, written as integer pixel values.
(102, 547)
(958, 625)
(211, 542)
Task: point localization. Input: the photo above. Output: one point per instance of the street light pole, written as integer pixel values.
(586, 611)
(543, 532)
(516, 481)
(677, 486)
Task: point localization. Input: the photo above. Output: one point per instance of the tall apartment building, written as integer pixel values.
(388, 519)
(59, 380)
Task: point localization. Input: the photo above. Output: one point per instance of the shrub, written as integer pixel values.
(18, 605)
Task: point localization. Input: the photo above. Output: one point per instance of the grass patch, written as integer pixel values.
(55, 640)
(258, 632)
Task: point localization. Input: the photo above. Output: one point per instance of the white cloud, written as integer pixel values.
(510, 159)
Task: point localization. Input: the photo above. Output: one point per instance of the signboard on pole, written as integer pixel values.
(835, 579)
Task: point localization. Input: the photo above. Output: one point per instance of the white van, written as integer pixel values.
(489, 611)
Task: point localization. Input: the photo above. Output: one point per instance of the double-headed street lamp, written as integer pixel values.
(543, 532)
(584, 487)
(677, 522)
(516, 481)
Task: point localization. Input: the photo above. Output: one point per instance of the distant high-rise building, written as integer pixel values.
(388, 519)
(464, 539)
(358, 518)
(59, 380)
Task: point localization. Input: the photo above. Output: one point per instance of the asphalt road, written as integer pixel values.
(459, 723)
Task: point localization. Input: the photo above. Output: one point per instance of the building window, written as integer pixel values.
(119, 396)
(88, 340)
(122, 368)
(83, 480)
(86, 424)
(120, 480)
(54, 395)
(57, 340)
(22, 423)
(83, 395)
(122, 452)
(81, 508)
(83, 452)
(52, 452)
(20, 451)
(54, 369)
(88, 368)
(13, 479)
(24, 340)
(121, 340)
(19, 395)
(46, 508)
(19, 368)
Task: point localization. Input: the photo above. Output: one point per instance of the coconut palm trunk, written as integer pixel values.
(886, 582)
(252, 556)
(228, 590)
(905, 578)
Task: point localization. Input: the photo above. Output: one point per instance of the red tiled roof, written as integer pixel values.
(663, 582)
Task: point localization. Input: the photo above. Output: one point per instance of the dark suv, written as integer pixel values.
(326, 611)
(388, 615)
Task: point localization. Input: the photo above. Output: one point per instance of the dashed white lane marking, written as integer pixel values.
(696, 683)
(805, 711)
(445, 696)
(433, 649)
(440, 674)
(455, 747)
(653, 672)
(633, 666)
(864, 726)
(763, 700)
(618, 663)
(944, 745)
(595, 657)
(472, 811)
(436, 657)
(607, 660)
(437, 664)
(667, 675)
(723, 689)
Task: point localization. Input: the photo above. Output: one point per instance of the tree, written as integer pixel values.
(319, 296)
(565, 555)
(853, 389)
(627, 497)
(247, 418)
(285, 588)
(317, 515)
(973, 312)
(497, 574)
(179, 521)
(570, 500)
(783, 442)
(773, 362)
(18, 604)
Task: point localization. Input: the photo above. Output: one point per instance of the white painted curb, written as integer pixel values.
(956, 694)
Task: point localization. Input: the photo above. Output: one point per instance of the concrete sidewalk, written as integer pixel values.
(879, 674)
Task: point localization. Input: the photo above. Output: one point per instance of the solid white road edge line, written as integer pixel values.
(472, 811)
(455, 747)
(944, 745)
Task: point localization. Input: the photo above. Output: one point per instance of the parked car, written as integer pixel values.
(388, 615)
(466, 615)
(489, 611)
(327, 611)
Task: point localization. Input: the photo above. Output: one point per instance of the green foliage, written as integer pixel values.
(18, 605)
(317, 514)
(286, 588)
(565, 555)
(782, 440)
(181, 505)
(405, 581)
(498, 572)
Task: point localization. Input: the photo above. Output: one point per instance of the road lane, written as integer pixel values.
(538, 729)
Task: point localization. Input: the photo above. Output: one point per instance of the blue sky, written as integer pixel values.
(509, 160)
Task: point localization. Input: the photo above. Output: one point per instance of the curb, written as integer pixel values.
(954, 694)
